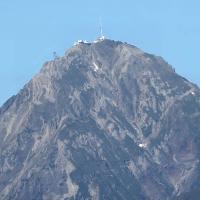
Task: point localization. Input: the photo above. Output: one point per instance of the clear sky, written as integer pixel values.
(30, 30)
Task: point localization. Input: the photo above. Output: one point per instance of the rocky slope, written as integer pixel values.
(105, 121)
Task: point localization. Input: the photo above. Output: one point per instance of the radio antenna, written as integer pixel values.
(101, 28)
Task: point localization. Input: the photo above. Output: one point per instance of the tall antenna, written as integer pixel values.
(101, 28)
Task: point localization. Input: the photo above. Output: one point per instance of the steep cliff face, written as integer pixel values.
(105, 121)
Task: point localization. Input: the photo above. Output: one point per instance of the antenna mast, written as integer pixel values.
(101, 29)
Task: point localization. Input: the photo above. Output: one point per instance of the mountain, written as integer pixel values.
(105, 121)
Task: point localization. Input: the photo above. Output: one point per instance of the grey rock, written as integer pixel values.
(105, 121)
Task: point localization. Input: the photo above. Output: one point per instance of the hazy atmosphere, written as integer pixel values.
(32, 30)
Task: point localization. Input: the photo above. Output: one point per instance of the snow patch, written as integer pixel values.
(95, 67)
(142, 145)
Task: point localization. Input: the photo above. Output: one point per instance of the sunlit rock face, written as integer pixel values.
(105, 121)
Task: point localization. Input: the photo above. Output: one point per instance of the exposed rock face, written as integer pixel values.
(105, 121)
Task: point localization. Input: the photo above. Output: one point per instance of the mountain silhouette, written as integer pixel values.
(105, 121)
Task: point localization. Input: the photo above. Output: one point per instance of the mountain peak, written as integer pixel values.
(105, 121)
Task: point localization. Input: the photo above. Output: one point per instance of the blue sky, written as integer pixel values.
(31, 30)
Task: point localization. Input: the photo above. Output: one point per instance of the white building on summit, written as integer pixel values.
(81, 42)
(99, 39)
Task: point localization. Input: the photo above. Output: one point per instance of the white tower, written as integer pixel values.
(102, 37)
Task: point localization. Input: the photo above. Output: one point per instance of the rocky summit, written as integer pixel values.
(106, 121)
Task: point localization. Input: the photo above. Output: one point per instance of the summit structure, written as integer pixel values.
(99, 38)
